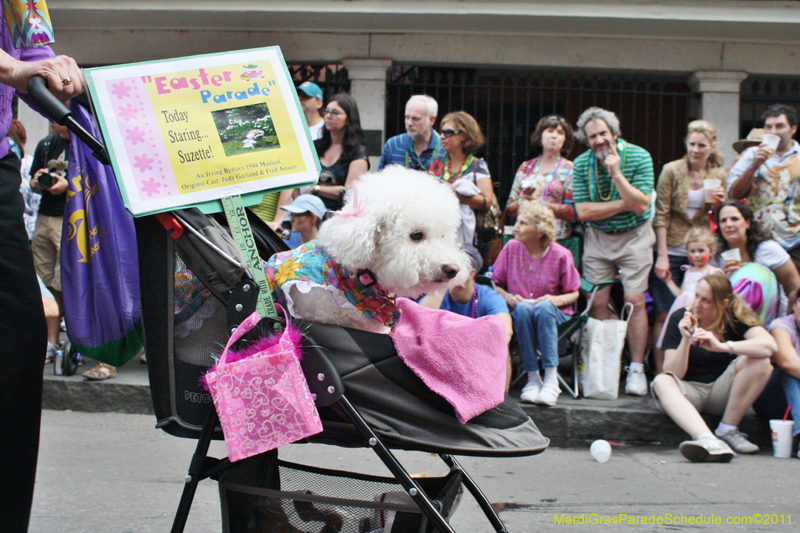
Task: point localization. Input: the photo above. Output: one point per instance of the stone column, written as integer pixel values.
(368, 88)
(719, 91)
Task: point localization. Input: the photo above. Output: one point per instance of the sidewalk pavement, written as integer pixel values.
(626, 419)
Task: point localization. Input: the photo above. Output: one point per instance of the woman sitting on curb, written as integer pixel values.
(716, 361)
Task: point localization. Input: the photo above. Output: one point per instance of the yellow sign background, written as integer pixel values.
(183, 103)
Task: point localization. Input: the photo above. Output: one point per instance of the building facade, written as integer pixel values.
(657, 64)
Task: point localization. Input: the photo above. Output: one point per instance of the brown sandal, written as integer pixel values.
(100, 372)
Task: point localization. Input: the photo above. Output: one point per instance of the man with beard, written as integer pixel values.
(420, 146)
(768, 176)
(613, 181)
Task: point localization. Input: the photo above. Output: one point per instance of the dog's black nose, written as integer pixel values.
(450, 271)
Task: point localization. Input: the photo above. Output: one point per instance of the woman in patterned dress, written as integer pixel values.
(548, 177)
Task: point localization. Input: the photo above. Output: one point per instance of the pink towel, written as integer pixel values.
(461, 359)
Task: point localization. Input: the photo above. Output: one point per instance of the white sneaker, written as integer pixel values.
(51, 351)
(548, 395)
(530, 392)
(738, 442)
(706, 450)
(636, 384)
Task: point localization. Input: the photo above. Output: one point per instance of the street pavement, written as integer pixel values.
(113, 472)
(628, 418)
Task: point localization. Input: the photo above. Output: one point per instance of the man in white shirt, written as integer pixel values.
(311, 99)
(768, 179)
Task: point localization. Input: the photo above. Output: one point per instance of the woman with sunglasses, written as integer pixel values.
(469, 175)
(548, 177)
(341, 150)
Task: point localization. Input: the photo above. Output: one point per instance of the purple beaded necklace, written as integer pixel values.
(474, 310)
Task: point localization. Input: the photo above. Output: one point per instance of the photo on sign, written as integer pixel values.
(246, 129)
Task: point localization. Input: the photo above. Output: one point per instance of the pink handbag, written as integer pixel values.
(260, 393)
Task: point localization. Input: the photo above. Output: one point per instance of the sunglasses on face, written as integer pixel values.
(332, 112)
(449, 133)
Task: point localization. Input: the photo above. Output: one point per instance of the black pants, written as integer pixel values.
(23, 343)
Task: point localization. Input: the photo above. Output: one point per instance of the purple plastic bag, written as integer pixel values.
(99, 260)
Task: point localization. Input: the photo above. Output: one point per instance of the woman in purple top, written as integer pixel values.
(22, 324)
(539, 281)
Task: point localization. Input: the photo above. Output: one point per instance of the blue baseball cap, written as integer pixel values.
(306, 203)
(311, 89)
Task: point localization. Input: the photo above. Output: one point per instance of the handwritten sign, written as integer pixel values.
(185, 131)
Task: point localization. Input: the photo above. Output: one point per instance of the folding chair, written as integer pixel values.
(569, 347)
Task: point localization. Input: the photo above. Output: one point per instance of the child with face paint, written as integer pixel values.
(700, 245)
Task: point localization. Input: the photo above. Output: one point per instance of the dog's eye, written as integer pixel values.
(417, 236)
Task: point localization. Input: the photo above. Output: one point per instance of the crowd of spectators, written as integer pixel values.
(727, 340)
(722, 333)
(705, 338)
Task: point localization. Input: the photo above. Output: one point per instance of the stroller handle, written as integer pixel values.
(56, 110)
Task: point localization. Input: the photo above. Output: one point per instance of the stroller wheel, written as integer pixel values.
(71, 359)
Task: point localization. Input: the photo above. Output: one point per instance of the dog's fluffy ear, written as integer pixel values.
(351, 239)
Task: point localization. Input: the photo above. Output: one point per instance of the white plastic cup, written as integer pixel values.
(731, 256)
(600, 450)
(770, 141)
(709, 186)
(781, 438)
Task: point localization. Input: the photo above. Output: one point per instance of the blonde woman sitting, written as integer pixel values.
(539, 281)
(716, 361)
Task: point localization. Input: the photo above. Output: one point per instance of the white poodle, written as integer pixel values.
(251, 138)
(395, 236)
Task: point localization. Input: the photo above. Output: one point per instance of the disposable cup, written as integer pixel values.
(781, 438)
(709, 186)
(731, 256)
(600, 450)
(771, 141)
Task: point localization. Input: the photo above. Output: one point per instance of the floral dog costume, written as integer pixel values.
(310, 266)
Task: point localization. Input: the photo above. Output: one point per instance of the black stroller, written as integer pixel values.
(366, 396)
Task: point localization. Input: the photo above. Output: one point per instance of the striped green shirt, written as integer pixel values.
(637, 168)
(268, 206)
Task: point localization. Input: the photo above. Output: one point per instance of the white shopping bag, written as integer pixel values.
(601, 351)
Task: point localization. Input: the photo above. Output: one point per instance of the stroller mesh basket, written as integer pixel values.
(315, 499)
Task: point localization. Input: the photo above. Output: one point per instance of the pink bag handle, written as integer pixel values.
(248, 324)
